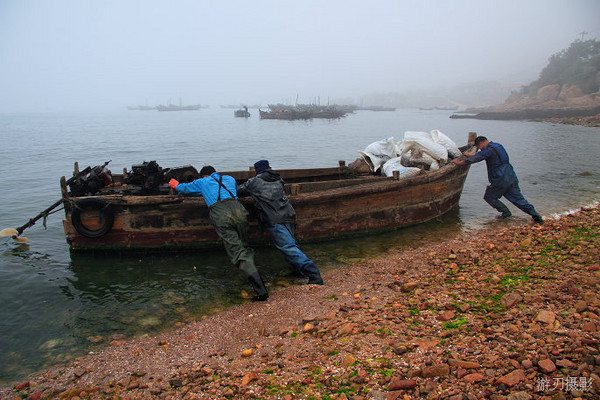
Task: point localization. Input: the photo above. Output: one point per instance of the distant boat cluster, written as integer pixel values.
(169, 107)
(305, 111)
(275, 111)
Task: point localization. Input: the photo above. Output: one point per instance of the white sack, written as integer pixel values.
(418, 142)
(373, 161)
(385, 147)
(394, 165)
(445, 141)
(379, 152)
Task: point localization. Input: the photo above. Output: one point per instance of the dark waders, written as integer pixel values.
(230, 220)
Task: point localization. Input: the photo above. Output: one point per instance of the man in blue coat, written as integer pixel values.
(230, 219)
(502, 178)
(278, 216)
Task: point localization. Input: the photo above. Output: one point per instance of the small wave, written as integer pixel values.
(594, 204)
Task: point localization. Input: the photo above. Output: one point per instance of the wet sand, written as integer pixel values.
(511, 312)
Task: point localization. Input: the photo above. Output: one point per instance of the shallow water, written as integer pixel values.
(56, 305)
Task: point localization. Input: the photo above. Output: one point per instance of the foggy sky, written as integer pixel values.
(107, 54)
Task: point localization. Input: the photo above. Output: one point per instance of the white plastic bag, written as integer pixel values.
(445, 141)
(404, 172)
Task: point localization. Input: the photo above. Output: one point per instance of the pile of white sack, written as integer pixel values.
(416, 152)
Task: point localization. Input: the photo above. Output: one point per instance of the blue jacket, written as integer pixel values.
(209, 188)
(499, 169)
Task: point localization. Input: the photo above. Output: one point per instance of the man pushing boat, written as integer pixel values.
(502, 178)
(278, 216)
(230, 219)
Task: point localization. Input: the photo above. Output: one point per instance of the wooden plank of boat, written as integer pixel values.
(329, 202)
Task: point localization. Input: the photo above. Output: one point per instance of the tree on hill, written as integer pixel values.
(579, 65)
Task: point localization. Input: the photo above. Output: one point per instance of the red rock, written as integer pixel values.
(21, 386)
(35, 396)
(393, 395)
(464, 364)
(402, 384)
(513, 378)
(546, 366)
(346, 329)
(472, 378)
(545, 316)
(446, 316)
(527, 364)
(435, 370)
(510, 299)
(409, 286)
(589, 327)
(249, 377)
(565, 364)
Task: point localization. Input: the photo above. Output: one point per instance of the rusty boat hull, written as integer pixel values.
(329, 202)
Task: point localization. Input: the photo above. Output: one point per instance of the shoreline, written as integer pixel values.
(490, 315)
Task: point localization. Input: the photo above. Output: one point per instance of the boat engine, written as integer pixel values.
(91, 182)
(183, 174)
(148, 175)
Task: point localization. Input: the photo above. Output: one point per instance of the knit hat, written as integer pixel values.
(261, 165)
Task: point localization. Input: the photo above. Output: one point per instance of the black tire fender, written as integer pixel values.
(106, 214)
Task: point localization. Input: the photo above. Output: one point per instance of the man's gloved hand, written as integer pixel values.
(173, 183)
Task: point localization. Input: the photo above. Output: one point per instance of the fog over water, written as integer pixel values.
(83, 55)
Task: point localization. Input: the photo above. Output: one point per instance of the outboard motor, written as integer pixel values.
(148, 175)
(91, 182)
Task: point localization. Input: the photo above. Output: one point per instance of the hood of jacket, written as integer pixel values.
(269, 175)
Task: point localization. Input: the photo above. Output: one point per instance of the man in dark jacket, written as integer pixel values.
(230, 220)
(502, 178)
(279, 218)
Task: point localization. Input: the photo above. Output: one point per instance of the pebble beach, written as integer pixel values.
(510, 312)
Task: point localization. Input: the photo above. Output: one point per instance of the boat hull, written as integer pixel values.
(326, 210)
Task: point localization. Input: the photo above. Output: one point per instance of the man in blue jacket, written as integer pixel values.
(502, 178)
(278, 216)
(230, 220)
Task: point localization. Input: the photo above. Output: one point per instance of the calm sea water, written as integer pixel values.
(55, 306)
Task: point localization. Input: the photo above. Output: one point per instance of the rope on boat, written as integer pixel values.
(47, 214)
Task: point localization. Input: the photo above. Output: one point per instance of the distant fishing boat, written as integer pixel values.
(173, 107)
(242, 113)
(180, 107)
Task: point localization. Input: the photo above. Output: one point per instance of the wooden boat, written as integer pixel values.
(134, 212)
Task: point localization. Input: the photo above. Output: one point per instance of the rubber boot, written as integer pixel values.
(258, 285)
(505, 212)
(537, 218)
(315, 278)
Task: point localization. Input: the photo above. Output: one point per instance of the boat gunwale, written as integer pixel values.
(359, 185)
